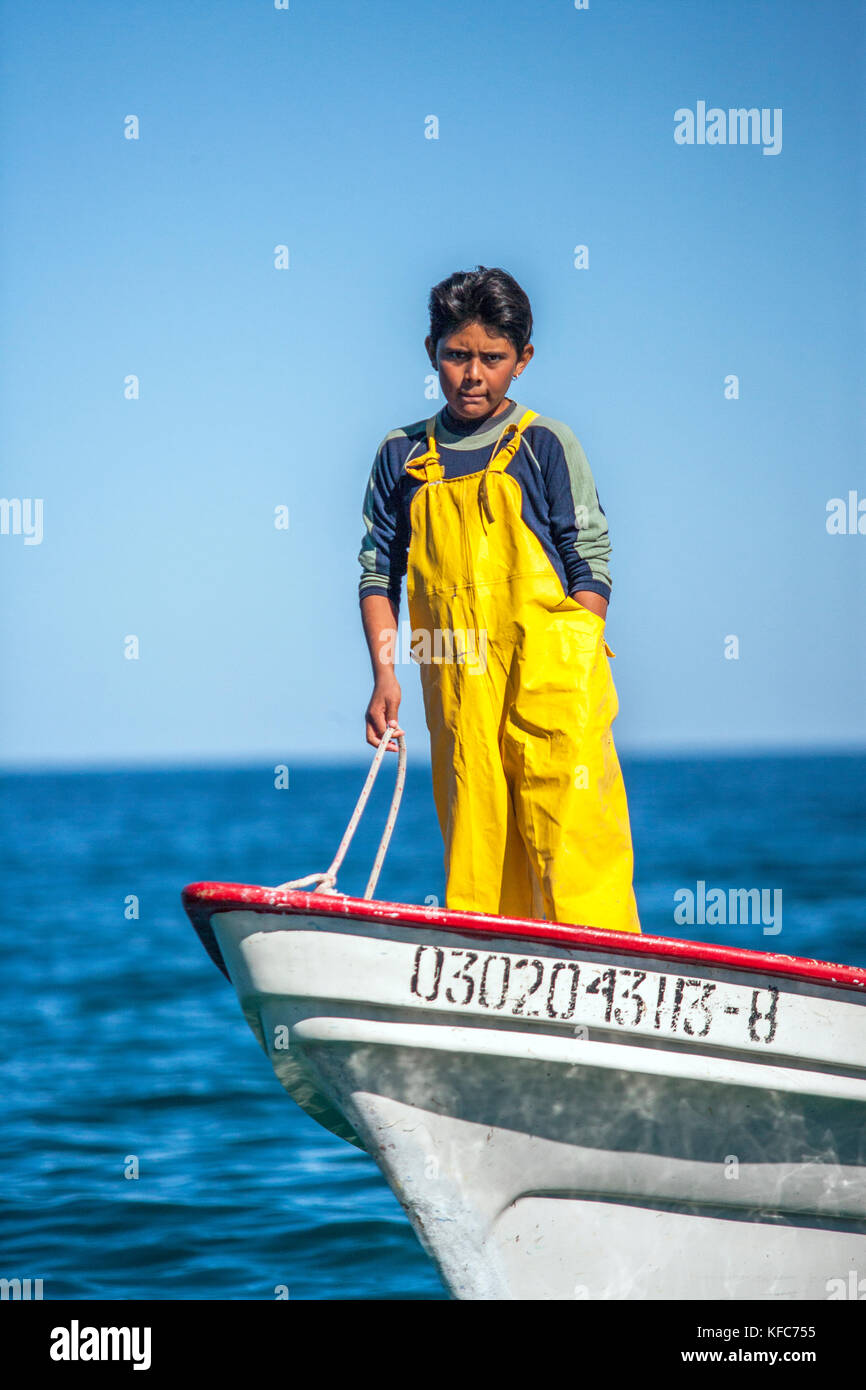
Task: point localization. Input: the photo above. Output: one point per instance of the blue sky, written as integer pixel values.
(259, 387)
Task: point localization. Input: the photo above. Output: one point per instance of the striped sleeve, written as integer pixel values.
(578, 524)
(385, 543)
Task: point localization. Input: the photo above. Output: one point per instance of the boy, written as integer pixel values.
(492, 513)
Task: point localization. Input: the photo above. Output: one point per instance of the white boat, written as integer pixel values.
(565, 1112)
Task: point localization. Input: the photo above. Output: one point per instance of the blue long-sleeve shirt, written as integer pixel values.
(560, 501)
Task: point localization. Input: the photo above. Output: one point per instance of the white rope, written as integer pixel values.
(327, 881)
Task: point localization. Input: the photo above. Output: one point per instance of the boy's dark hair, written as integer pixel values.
(490, 297)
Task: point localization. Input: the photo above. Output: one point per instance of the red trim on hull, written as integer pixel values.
(202, 899)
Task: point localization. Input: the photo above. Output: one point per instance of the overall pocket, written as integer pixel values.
(595, 620)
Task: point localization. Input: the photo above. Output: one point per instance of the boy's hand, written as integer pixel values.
(382, 710)
(591, 600)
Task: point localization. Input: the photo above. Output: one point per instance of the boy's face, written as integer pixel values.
(475, 370)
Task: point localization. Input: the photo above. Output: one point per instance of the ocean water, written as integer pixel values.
(120, 1041)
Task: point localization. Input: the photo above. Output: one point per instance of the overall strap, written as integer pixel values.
(428, 466)
(499, 461)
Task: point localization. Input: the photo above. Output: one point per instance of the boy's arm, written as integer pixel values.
(385, 544)
(577, 522)
(383, 562)
(591, 600)
(379, 616)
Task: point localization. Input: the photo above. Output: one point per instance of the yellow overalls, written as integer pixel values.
(519, 701)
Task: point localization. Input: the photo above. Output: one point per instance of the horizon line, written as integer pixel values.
(253, 761)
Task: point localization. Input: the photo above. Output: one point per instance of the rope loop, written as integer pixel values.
(327, 882)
